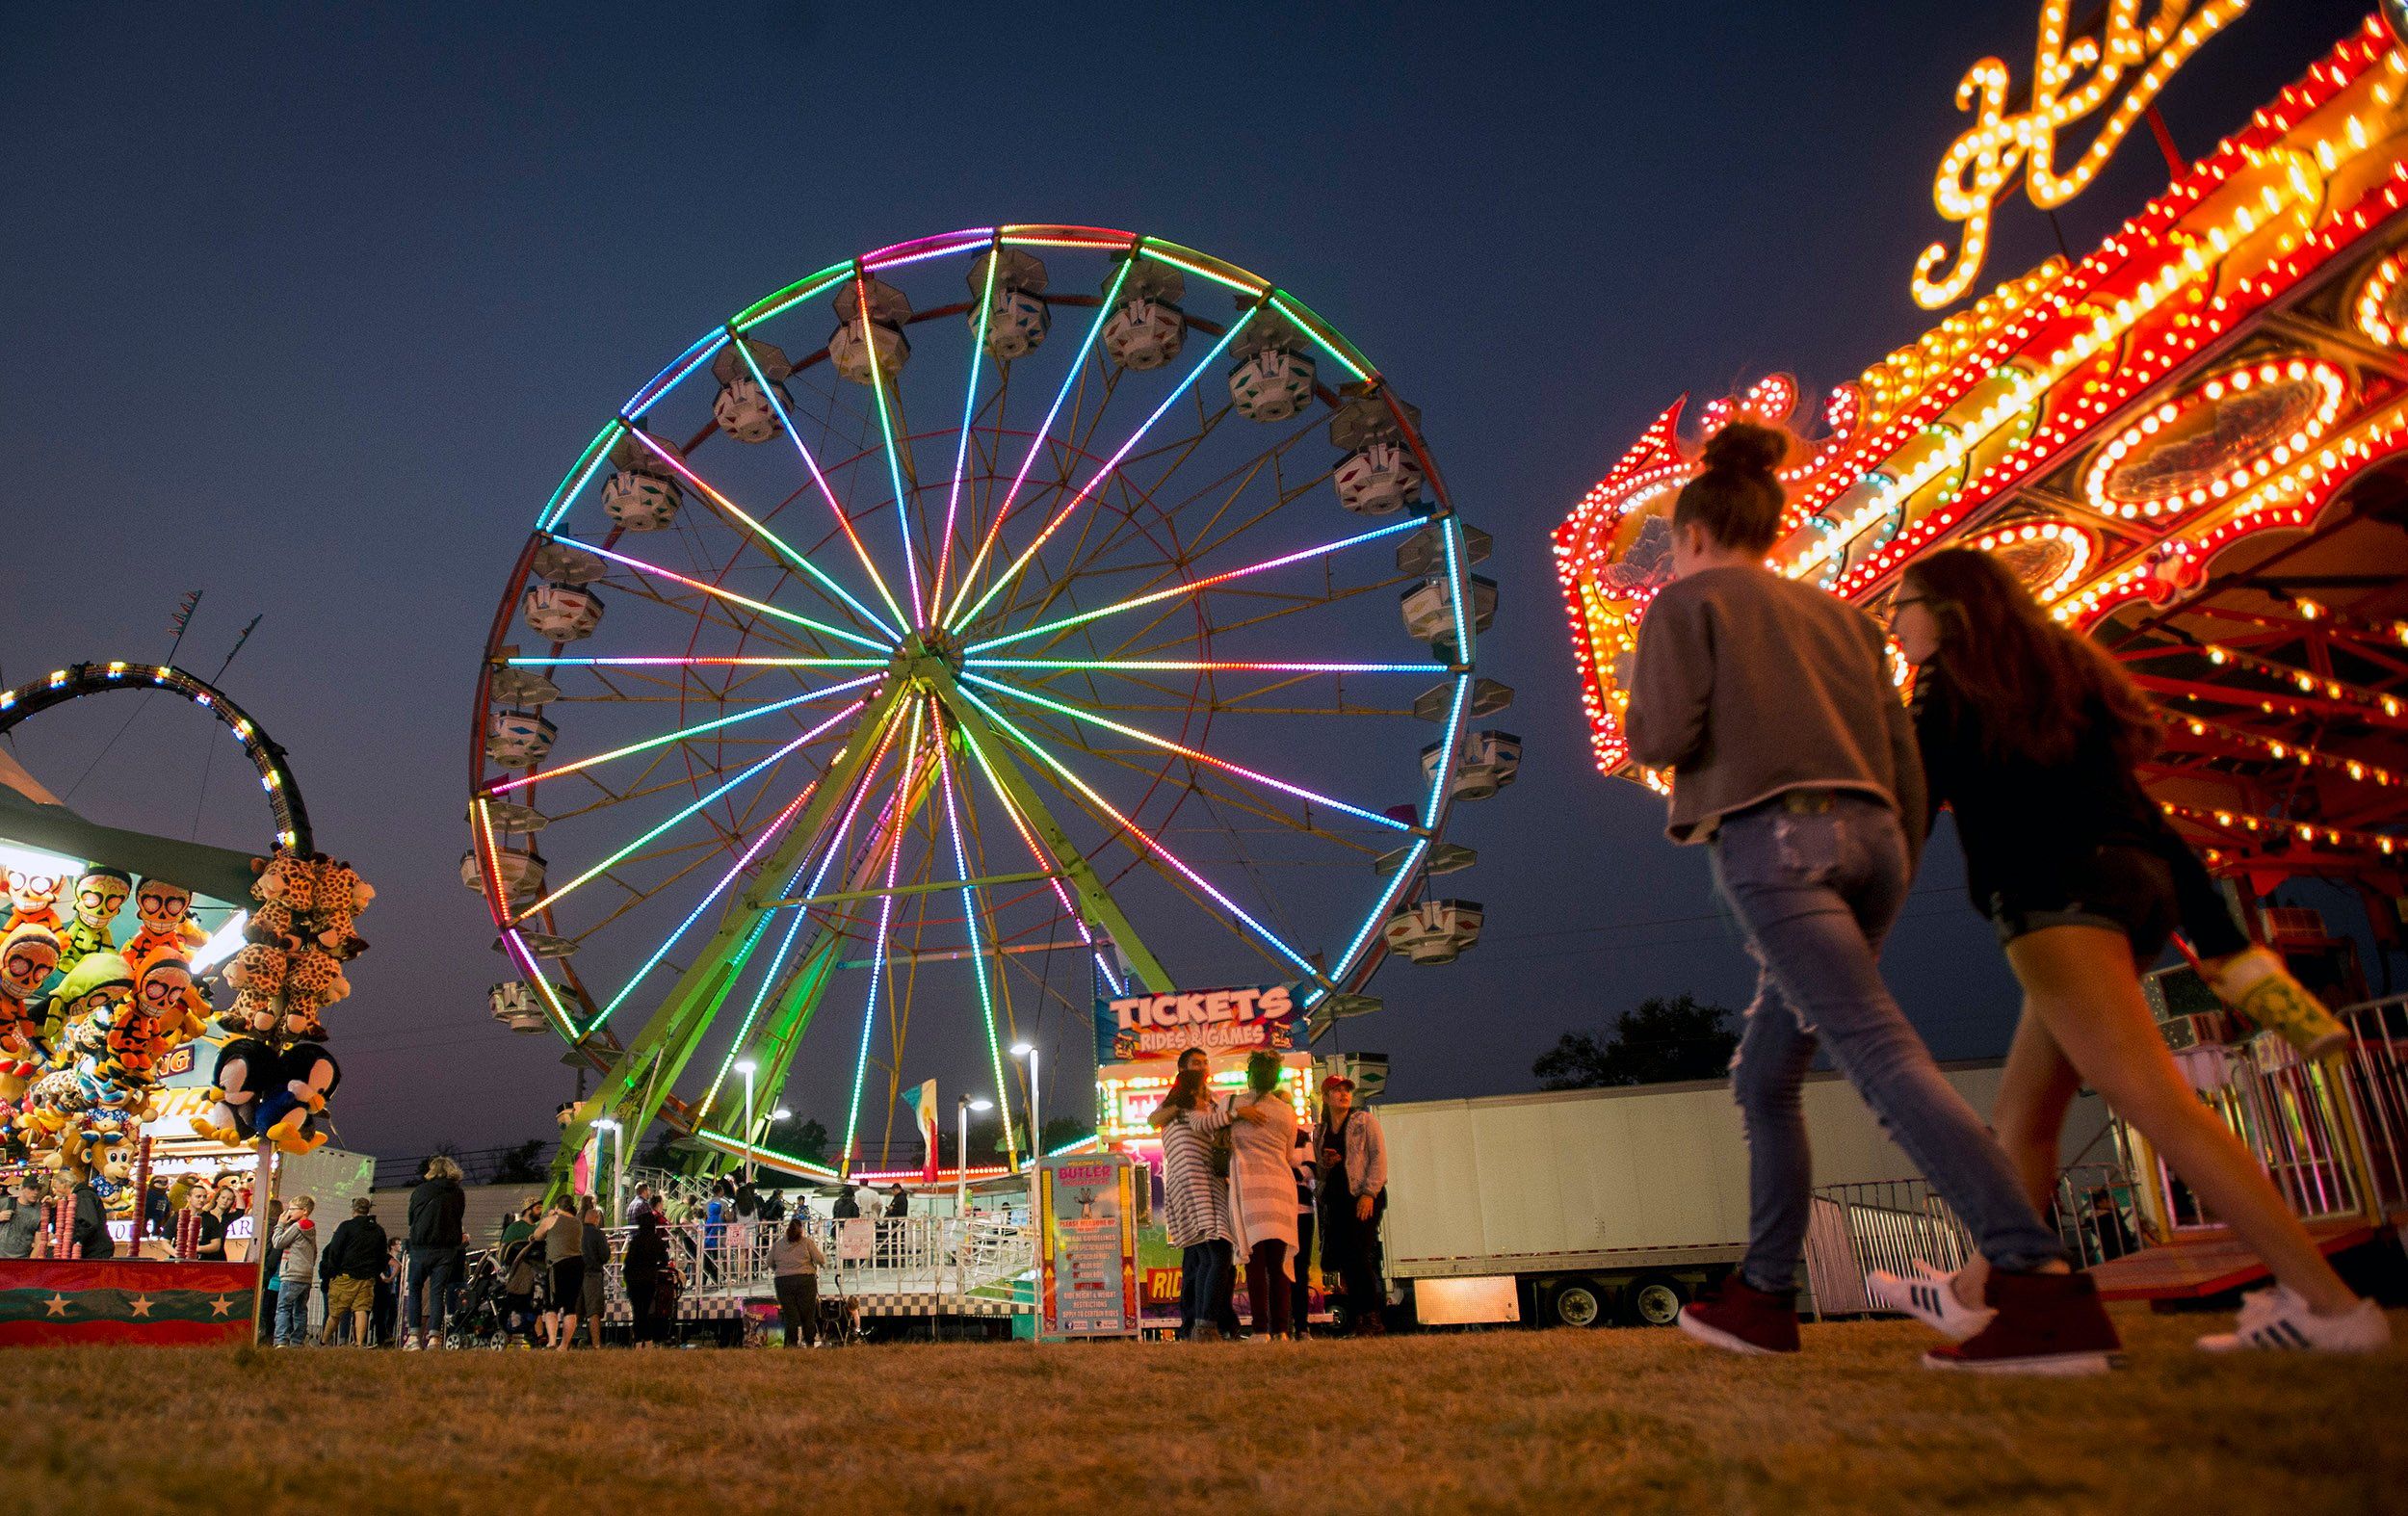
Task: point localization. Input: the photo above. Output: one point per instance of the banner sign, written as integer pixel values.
(1086, 1248)
(48, 1302)
(1136, 1029)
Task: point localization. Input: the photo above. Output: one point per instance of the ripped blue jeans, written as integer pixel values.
(1816, 878)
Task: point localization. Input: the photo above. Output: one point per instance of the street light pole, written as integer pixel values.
(961, 1155)
(746, 1068)
(1037, 1126)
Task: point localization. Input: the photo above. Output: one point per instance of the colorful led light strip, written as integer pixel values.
(704, 349)
(1112, 465)
(1203, 665)
(574, 481)
(844, 519)
(791, 294)
(505, 786)
(922, 249)
(977, 957)
(759, 527)
(903, 502)
(1049, 866)
(1195, 585)
(1182, 750)
(700, 663)
(760, 994)
(1036, 441)
(683, 812)
(761, 607)
(961, 449)
(885, 921)
(1138, 835)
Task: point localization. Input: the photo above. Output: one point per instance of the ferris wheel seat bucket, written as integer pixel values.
(640, 501)
(739, 358)
(1434, 931)
(1488, 697)
(1365, 418)
(1017, 323)
(744, 411)
(508, 818)
(518, 738)
(1377, 480)
(1272, 385)
(561, 612)
(1425, 552)
(852, 354)
(1446, 857)
(521, 872)
(1429, 609)
(1488, 762)
(1145, 334)
(567, 563)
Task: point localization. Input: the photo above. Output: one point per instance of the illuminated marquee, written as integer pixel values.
(2180, 442)
(1137, 1028)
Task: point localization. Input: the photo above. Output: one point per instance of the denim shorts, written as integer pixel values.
(2117, 888)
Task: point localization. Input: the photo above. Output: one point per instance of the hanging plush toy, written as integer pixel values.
(257, 975)
(99, 894)
(340, 894)
(29, 955)
(34, 900)
(244, 1065)
(285, 889)
(305, 1075)
(164, 987)
(312, 981)
(168, 928)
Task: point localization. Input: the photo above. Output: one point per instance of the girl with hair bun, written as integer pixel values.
(2030, 733)
(1792, 760)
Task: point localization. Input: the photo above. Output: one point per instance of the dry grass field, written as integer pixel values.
(1502, 1422)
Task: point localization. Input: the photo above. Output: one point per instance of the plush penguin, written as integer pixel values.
(244, 1065)
(304, 1077)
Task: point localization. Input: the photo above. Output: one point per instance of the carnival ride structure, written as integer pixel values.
(892, 646)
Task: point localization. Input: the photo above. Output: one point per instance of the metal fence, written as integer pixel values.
(902, 1255)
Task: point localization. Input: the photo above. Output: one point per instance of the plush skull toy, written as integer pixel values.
(99, 894)
(28, 957)
(34, 900)
(168, 928)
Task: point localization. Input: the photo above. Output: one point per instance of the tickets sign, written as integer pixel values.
(1134, 1029)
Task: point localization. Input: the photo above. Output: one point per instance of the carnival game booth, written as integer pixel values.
(2193, 444)
(124, 1074)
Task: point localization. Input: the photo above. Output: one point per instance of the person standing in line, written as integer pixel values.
(848, 1206)
(597, 1254)
(641, 1270)
(898, 1203)
(353, 1257)
(91, 1221)
(2030, 733)
(1195, 1203)
(1300, 1163)
(295, 1242)
(563, 1237)
(20, 1219)
(438, 1251)
(384, 1311)
(795, 1260)
(1262, 1194)
(1792, 757)
(522, 1266)
(1352, 1157)
(716, 1215)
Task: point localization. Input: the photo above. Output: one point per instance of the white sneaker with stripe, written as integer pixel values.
(1929, 1297)
(2280, 1320)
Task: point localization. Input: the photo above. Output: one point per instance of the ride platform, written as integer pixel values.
(2211, 1262)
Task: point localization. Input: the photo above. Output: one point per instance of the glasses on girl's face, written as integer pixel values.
(1903, 601)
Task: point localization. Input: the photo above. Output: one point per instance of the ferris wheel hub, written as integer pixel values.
(929, 659)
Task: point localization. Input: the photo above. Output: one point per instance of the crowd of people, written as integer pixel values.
(1244, 1176)
(1775, 708)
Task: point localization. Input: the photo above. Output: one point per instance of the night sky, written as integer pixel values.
(309, 309)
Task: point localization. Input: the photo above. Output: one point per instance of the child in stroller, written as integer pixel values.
(480, 1321)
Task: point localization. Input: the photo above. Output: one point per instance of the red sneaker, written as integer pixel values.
(1739, 1318)
(2046, 1324)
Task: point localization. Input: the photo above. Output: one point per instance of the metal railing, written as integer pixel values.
(930, 1255)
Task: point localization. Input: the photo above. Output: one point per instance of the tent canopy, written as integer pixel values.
(30, 817)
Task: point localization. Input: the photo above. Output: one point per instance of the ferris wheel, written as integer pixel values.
(987, 621)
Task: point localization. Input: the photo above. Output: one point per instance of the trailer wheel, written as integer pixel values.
(1656, 1300)
(1575, 1302)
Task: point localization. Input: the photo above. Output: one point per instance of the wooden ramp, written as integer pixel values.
(2214, 1261)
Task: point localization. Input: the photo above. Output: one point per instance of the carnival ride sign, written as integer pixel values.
(1134, 1029)
(1087, 1247)
(2124, 62)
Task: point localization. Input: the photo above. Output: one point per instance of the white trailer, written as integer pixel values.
(1572, 1207)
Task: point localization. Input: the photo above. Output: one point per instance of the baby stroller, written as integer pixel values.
(477, 1321)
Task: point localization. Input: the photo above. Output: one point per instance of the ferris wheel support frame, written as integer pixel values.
(647, 1068)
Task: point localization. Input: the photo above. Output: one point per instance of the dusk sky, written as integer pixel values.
(308, 308)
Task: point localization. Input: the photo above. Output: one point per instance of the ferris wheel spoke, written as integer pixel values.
(1076, 374)
(716, 593)
(811, 465)
(961, 449)
(1201, 665)
(1136, 837)
(970, 923)
(682, 734)
(1192, 754)
(760, 528)
(901, 803)
(1096, 480)
(1062, 625)
(688, 810)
